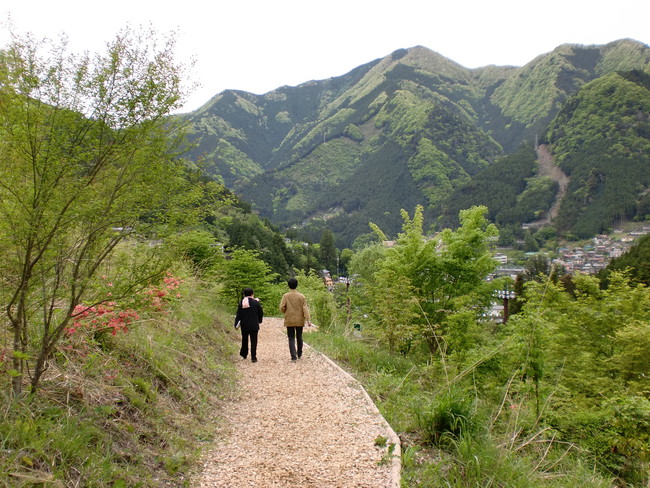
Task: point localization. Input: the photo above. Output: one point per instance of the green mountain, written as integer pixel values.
(601, 139)
(412, 127)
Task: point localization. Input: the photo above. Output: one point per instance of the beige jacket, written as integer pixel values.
(295, 310)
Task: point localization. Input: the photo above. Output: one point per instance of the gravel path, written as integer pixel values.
(305, 423)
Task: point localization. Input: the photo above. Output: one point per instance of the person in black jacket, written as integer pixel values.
(249, 317)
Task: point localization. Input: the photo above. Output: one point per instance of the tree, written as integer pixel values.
(446, 273)
(244, 268)
(344, 260)
(87, 159)
(540, 268)
(452, 274)
(365, 262)
(328, 251)
(530, 243)
(394, 311)
(248, 231)
(200, 248)
(598, 326)
(637, 260)
(586, 353)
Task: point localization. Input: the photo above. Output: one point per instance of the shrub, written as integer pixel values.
(449, 416)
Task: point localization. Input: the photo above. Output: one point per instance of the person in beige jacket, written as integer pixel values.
(296, 312)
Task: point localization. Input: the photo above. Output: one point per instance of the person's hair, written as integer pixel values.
(248, 292)
(293, 283)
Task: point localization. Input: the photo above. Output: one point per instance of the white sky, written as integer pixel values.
(260, 45)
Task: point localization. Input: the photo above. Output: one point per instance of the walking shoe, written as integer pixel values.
(254, 360)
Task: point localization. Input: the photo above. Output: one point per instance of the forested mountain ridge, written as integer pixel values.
(412, 127)
(601, 139)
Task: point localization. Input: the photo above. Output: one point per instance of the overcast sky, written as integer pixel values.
(260, 45)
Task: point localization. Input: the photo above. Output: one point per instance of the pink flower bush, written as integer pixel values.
(102, 317)
(157, 297)
(107, 315)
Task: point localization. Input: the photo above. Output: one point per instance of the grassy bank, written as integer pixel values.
(449, 438)
(127, 410)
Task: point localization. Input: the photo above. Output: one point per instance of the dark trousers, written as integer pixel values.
(295, 335)
(245, 334)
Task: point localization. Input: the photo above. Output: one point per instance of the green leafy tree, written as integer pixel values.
(311, 258)
(586, 354)
(636, 260)
(446, 273)
(328, 254)
(394, 311)
(530, 243)
(539, 268)
(529, 332)
(248, 231)
(344, 260)
(245, 268)
(200, 248)
(595, 330)
(366, 262)
(87, 158)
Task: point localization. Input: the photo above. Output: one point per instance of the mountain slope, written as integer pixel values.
(601, 139)
(305, 155)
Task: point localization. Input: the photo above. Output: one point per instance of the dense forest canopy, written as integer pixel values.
(601, 139)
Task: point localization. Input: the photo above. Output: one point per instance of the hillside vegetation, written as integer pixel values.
(601, 139)
(557, 396)
(415, 125)
(122, 265)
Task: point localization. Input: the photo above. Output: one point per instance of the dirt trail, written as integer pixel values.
(305, 423)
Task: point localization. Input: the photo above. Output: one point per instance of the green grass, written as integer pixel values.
(450, 436)
(131, 410)
(448, 417)
(136, 409)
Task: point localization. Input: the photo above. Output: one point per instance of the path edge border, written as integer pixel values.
(396, 461)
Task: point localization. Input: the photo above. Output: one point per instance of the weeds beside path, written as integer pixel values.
(304, 423)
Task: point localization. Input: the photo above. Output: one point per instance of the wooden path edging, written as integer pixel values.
(396, 457)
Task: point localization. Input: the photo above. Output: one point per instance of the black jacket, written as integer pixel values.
(250, 317)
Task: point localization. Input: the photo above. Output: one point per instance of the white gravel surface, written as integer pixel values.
(300, 424)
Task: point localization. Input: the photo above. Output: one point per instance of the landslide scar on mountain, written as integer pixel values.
(547, 167)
